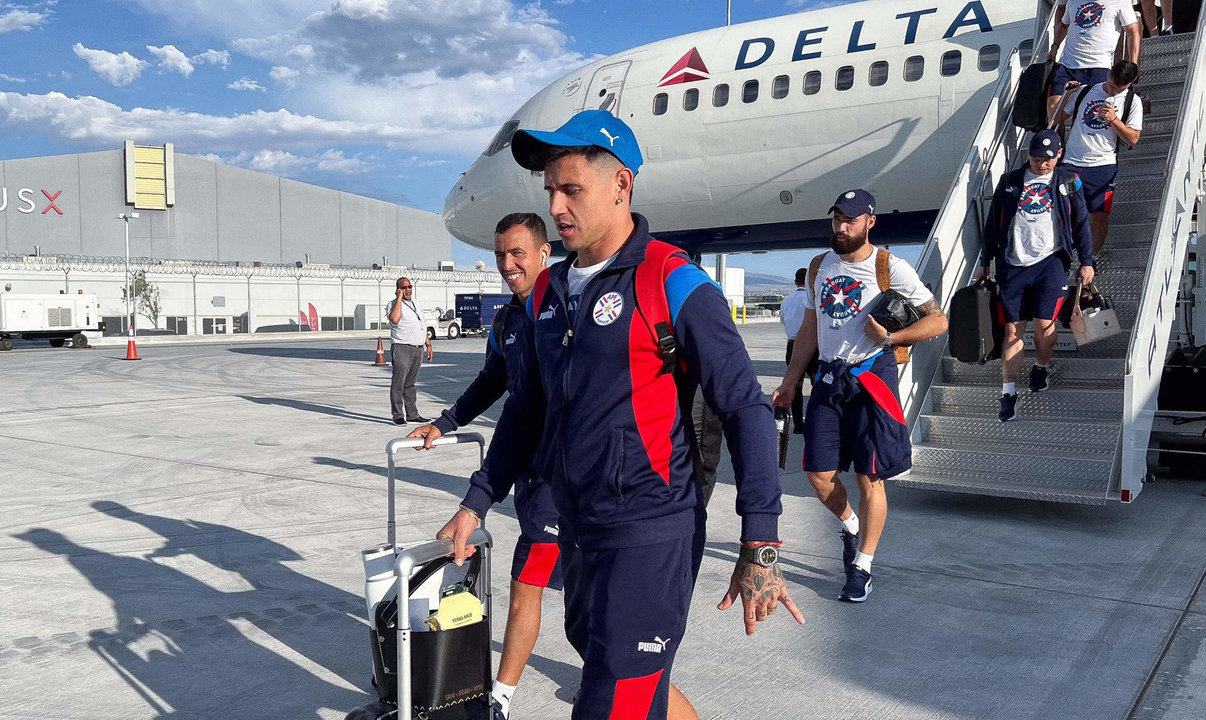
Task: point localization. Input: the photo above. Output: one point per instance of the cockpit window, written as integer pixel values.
(503, 138)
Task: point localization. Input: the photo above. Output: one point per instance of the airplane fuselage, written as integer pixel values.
(750, 131)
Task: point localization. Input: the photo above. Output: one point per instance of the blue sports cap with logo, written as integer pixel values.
(1045, 144)
(589, 127)
(854, 203)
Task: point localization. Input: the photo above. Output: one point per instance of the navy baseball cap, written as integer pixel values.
(854, 203)
(1044, 144)
(589, 127)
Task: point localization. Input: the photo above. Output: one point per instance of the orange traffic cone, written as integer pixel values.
(131, 351)
(380, 355)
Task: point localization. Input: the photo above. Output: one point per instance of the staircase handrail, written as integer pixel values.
(1153, 323)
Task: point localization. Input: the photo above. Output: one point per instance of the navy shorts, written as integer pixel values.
(1098, 185)
(1084, 76)
(625, 614)
(537, 556)
(837, 426)
(1034, 291)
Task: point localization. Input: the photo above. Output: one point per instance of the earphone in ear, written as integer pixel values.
(544, 256)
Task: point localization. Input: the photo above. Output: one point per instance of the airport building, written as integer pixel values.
(226, 249)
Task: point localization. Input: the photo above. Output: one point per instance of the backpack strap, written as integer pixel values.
(883, 278)
(661, 259)
(814, 268)
(537, 296)
(499, 326)
(1080, 96)
(1126, 110)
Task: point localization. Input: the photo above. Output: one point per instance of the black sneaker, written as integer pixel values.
(849, 548)
(374, 711)
(399, 421)
(418, 419)
(496, 711)
(1009, 408)
(858, 586)
(1038, 379)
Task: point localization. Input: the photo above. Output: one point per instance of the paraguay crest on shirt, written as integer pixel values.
(1089, 15)
(608, 308)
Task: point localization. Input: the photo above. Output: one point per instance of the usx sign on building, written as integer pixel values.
(27, 202)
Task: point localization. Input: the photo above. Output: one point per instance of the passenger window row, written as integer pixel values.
(988, 59)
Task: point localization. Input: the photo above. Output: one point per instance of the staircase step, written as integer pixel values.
(1132, 259)
(1043, 436)
(1160, 50)
(1158, 126)
(1064, 372)
(1056, 403)
(1132, 236)
(1152, 167)
(1153, 145)
(1069, 466)
(1003, 485)
(1130, 210)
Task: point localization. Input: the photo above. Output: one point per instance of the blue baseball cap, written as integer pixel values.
(854, 203)
(589, 127)
(1045, 144)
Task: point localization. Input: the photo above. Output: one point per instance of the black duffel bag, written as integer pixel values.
(893, 311)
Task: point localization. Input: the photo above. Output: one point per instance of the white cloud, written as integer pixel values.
(284, 75)
(10, 78)
(20, 18)
(277, 162)
(120, 69)
(170, 58)
(213, 57)
(95, 122)
(246, 83)
(334, 161)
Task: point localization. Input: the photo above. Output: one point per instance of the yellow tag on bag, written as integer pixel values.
(457, 609)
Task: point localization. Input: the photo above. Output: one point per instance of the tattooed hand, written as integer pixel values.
(760, 588)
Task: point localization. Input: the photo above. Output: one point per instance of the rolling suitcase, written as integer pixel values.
(420, 673)
(1030, 104)
(976, 326)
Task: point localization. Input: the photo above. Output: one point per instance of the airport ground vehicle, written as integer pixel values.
(443, 322)
(57, 318)
(477, 310)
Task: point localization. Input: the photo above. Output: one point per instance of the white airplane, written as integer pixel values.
(750, 131)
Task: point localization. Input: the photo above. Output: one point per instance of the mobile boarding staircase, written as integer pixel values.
(1085, 440)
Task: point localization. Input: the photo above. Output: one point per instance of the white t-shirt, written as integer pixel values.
(1092, 143)
(842, 291)
(1094, 27)
(1033, 235)
(578, 277)
(791, 313)
(411, 328)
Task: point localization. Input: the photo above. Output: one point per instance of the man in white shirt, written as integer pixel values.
(791, 314)
(1092, 28)
(1102, 116)
(408, 338)
(854, 413)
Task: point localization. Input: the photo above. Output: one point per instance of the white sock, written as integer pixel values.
(863, 561)
(1009, 388)
(851, 524)
(502, 695)
(1042, 365)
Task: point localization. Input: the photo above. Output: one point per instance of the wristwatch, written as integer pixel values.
(887, 340)
(763, 555)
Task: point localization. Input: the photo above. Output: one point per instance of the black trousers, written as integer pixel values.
(797, 405)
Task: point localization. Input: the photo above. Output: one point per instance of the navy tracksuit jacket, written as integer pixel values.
(609, 430)
(1071, 218)
(495, 377)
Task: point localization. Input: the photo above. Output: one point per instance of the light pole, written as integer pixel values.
(126, 217)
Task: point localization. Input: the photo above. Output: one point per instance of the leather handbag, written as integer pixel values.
(893, 311)
(1094, 319)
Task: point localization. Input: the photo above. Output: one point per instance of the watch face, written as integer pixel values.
(767, 555)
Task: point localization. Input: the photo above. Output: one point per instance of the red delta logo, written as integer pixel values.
(27, 205)
(689, 68)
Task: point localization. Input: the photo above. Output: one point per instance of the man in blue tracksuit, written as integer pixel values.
(1037, 223)
(598, 406)
(521, 249)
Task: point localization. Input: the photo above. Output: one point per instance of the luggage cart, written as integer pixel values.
(405, 561)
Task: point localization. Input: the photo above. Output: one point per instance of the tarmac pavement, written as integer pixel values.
(180, 537)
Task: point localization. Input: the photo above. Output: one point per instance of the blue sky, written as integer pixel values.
(386, 98)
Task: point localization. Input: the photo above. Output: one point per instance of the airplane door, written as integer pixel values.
(606, 87)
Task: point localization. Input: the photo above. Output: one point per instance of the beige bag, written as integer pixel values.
(1093, 322)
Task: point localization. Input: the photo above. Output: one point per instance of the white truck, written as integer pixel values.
(57, 318)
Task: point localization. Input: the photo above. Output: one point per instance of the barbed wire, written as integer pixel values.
(66, 263)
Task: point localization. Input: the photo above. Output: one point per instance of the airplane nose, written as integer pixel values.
(452, 206)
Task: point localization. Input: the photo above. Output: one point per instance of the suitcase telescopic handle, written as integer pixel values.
(404, 564)
(391, 453)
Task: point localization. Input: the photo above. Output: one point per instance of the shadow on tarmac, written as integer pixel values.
(333, 410)
(307, 351)
(177, 645)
